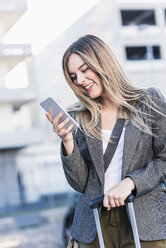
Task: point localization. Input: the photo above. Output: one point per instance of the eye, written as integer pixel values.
(85, 69)
(73, 79)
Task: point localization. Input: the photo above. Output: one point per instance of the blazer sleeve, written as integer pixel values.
(75, 169)
(154, 173)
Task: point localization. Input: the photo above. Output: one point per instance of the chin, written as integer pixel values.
(94, 96)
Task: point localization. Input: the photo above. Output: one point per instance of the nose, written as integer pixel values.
(80, 78)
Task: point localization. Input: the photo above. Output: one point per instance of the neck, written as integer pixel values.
(109, 114)
(107, 104)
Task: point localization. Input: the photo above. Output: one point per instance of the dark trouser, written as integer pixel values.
(117, 232)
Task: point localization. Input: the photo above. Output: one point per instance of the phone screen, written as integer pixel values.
(51, 106)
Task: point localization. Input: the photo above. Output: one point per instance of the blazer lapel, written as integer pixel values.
(132, 136)
(96, 152)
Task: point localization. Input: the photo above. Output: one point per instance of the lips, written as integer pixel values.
(88, 86)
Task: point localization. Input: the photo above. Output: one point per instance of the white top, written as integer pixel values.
(114, 171)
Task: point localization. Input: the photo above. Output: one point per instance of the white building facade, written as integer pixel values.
(17, 96)
(142, 35)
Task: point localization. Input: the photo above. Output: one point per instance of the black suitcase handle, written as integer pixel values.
(98, 202)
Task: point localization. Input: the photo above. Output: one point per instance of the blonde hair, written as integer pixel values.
(117, 86)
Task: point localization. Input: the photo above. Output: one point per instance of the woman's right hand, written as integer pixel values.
(64, 133)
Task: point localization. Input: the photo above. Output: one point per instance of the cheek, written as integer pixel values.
(100, 83)
(92, 74)
(97, 79)
(101, 88)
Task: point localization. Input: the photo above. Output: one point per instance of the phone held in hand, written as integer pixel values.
(52, 107)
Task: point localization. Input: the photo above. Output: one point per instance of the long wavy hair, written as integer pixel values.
(99, 57)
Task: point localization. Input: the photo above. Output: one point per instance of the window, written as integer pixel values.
(141, 52)
(16, 108)
(137, 17)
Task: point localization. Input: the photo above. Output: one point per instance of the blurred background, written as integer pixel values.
(36, 203)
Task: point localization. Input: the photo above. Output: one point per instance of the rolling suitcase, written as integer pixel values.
(95, 204)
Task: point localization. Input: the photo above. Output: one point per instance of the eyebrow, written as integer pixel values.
(78, 68)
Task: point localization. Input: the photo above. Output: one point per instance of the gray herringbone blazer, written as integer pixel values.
(144, 160)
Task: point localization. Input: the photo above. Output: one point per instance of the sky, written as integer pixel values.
(45, 20)
(42, 23)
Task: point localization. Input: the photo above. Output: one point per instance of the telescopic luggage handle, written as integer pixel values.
(95, 204)
(99, 201)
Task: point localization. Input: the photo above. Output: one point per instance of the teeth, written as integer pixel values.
(89, 86)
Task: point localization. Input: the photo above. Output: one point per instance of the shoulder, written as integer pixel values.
(156, 100)
(153, 94)
(152, 102)
(74, 109)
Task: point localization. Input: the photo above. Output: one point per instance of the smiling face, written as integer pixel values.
(84, 77)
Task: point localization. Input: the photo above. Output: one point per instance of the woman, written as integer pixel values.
(139, 162)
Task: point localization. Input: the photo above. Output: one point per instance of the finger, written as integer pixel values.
(116, 201)
(49, 117)
(61, 127)
(63, 124)
(111, 202)
(106, 202)
(109, 208)
(68, 130)
(64, 131)
(121, 201)
(56, 120)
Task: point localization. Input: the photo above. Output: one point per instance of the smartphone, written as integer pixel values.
(51, 106)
